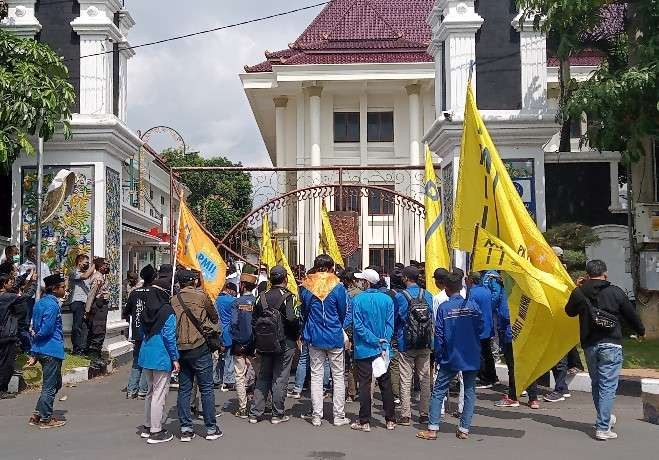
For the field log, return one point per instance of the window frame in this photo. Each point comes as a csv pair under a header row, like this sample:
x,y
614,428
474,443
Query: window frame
x,y
381,211
346,114
379,138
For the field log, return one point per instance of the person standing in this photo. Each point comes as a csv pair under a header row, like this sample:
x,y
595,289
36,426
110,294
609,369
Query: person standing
x,y
28,269
195,317
96,309
324,301
481,296
276,326
48,350
158,357
78,293
458,328
242,339
137,301
601,308
373,328
224,374
13,330
413,319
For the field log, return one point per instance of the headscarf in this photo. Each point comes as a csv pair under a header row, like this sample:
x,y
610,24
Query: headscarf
x,y
156,311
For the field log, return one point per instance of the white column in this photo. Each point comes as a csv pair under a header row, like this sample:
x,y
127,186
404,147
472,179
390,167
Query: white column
x,y
613,178
363,153
126,22
533,53
314,93
413,93
20,19
280,155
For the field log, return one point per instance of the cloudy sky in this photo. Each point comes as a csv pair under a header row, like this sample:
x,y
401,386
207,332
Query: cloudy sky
x,y
193,84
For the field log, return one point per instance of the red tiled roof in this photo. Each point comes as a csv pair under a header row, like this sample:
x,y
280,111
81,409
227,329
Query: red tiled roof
x,y
379,31
585,58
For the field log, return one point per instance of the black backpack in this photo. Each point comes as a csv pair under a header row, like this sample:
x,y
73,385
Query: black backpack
x,y
418,330
269,327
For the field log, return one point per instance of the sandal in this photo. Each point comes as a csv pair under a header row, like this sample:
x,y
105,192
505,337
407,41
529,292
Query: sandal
x,y
461,435
428,435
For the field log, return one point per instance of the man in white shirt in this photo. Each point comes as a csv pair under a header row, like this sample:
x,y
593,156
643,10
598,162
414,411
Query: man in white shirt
x,y
30,265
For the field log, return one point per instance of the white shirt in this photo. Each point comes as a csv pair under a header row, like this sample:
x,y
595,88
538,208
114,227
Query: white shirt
x,y
437,300
28,264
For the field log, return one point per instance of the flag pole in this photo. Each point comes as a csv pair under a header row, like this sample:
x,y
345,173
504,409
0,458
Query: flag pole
x,y
477,228
175,245
38,270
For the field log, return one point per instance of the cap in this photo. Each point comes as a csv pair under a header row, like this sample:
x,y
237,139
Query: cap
x,y
53,280
277,272
248,278
369,275
557,250
411,273
186,276
441,274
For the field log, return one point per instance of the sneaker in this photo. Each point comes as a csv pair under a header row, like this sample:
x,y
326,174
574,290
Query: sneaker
x,y
131,395
141,396
484,386
524,394
294,394
316,421
253,420
574,370
397,401
278,420
160,437
461,434
52,423
366,427
391,425
535,404
404,421
145,432
554,397
213,435
349,399
226,387
506,402
567,395
612,422
605,435
341,421
34,420
307,416
423,419
187,436
241,413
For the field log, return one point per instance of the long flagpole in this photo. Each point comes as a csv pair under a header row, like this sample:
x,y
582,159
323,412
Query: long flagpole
x,y
39,205
175,245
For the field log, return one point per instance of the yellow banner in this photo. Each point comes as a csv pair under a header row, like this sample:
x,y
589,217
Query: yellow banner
x,y
283,261
267,255
437,255
486,195
328,244
196,250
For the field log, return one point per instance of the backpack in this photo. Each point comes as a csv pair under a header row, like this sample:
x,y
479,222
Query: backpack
x,y
269,327
241,326
418,330
9,324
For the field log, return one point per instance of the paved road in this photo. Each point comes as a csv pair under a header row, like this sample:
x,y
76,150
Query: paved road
x,y
102,425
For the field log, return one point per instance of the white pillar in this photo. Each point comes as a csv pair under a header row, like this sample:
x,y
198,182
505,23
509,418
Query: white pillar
x,y
413,93
615,191
363,153
280,156
126,22
301,227
314,93
533,54
20,19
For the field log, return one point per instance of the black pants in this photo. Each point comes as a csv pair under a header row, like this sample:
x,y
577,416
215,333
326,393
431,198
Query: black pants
x,y
574,360
365,376
96,328
78,338
510,362
488,371
560,376
272,377
7,361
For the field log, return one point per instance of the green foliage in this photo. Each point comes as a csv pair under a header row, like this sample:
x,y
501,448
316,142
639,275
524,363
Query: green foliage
x,y
572,236
35,94
218,199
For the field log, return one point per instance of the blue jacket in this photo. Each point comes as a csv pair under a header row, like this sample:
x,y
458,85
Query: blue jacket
x,y
324,304
242,310
47,324
482,297
223,307
458,327
372,314
158,352
401,313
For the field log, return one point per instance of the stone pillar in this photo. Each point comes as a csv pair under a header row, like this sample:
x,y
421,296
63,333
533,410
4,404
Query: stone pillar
x,y
126,22
21,20
533,50
314,93
280,127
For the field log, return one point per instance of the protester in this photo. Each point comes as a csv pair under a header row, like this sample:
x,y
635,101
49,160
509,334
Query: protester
x,y
276,326
11,254
323,311
96,309
458,328
481,296
195,317
130,283
413,329
353,288
28,269
79,280
242,338
601,308
137,301
48,350
372,314
13,331
158,357
439,277
224,374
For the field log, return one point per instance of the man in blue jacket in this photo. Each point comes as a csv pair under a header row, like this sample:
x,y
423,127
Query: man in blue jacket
x,y
373,327
323,311
242,338
48,350
458,327
413,321
224,374
481,296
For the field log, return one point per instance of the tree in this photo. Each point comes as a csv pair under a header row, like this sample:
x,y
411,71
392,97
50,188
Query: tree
x,y
35,95
219,199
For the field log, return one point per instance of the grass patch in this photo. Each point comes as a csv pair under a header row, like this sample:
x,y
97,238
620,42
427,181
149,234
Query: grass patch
x,y
32,375
636,355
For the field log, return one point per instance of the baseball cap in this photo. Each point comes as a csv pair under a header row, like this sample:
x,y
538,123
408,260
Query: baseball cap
x,y
411,273
369,275
277,272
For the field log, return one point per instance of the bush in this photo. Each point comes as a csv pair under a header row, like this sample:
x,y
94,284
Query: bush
x,y
572,236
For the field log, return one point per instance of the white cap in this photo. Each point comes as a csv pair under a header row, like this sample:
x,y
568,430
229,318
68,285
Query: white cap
x,y
557,250
369,275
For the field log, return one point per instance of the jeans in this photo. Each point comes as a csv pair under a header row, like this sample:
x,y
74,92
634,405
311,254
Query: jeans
x,y
78,339
337,366
510,362
488,372
200,369
303,366
604,363
137,382
274,370
439,392
52,382
365,377
560,376
224,371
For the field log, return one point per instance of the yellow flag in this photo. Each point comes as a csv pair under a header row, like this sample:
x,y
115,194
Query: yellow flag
x,y
267,251
283,261
196,250
487,196
437,255
328,242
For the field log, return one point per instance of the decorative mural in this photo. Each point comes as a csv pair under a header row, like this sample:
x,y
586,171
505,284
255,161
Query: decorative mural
x,y
71,231
447,199
113,235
